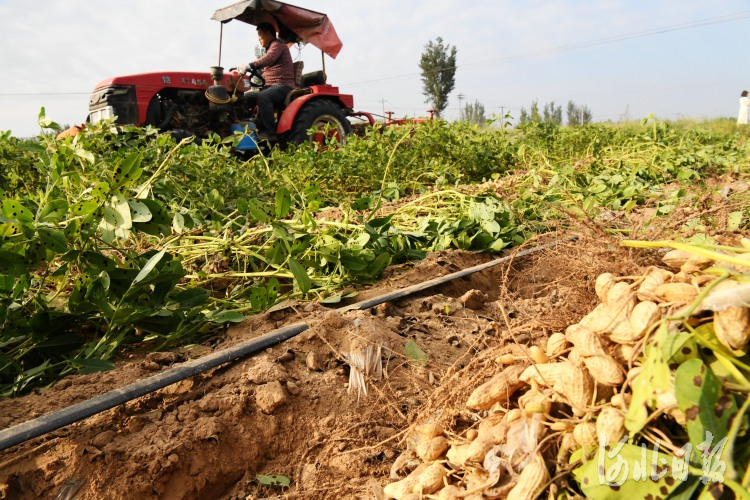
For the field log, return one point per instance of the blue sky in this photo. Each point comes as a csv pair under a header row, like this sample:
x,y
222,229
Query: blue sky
x,y
622,59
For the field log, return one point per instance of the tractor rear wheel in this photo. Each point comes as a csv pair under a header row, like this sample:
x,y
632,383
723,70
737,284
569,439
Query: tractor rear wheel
x,y
326,118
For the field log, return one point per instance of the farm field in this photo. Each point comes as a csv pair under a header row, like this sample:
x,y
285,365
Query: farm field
x,y
619,308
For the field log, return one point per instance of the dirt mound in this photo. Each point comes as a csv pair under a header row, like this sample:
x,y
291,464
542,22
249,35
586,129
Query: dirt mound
x,y
299,410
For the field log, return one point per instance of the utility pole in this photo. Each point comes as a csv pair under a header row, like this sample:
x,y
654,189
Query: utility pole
x,y
382,102
460,109
502,117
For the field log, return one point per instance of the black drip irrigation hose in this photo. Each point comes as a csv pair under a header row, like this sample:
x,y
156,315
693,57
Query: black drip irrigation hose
x,y
52,421
55,420
409,290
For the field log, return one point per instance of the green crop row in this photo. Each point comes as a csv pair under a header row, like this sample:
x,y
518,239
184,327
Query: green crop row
x,y
123,236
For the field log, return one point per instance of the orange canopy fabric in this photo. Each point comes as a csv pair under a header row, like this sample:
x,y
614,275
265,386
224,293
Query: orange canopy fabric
x,y
306,25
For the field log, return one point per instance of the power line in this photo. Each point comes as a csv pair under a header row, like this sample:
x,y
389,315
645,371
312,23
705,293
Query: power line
x,y
619,38
580,45
23,94
523,55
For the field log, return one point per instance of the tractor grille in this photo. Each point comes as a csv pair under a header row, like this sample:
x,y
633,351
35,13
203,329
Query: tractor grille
x,y
117,100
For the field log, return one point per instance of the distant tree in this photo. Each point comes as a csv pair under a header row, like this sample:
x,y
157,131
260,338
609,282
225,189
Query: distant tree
x,y
523,116
552,114
572,114
535,112
530,116
578,115
473,113
438,65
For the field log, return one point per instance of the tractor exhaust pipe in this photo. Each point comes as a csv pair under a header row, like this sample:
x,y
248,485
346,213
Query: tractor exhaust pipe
x,y
217,93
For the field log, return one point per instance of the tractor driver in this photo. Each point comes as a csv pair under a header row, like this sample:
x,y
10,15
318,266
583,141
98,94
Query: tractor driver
x,y
278,72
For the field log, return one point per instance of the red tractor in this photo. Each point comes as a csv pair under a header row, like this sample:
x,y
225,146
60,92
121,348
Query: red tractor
x,y
191,103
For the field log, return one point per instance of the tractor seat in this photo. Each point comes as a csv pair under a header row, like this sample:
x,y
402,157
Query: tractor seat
x,y
305,82
313,78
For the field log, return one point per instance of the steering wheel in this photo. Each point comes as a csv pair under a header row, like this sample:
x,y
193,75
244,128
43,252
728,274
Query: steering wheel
x,y
256,77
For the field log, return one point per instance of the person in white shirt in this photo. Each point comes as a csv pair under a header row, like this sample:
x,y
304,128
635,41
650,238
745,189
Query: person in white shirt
x,y
744,103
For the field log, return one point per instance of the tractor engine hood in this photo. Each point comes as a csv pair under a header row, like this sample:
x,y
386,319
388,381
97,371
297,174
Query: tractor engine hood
x,y
294,24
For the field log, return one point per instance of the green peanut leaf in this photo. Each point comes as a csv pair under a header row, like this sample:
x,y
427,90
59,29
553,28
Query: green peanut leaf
x,y
222,317
93,365
13,210
191,297
653,380
283,203
53,210
300,276
150,265
84,208
415,353
12,264
53,239
707,407
139,211
11,229
274,480
679,347
628,471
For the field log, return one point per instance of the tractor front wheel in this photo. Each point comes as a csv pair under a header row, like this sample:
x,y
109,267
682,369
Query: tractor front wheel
x,y
325,118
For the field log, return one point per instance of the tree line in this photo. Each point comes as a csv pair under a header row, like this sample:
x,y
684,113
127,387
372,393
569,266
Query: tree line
x,y
551,113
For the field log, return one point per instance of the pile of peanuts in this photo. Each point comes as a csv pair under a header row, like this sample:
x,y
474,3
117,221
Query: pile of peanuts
x,y
584,372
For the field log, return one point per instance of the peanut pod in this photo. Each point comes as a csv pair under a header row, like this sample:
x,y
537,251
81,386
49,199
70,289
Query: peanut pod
x,y
604,370
732,327
653,278
498,389
610,425
586,341
531,480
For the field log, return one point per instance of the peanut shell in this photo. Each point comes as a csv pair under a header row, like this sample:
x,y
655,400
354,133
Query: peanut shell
x,y
546,374
604,370
427,431
621,331
653,278
531,480
457,453
681,293
556,344
621,401
533,401
431,479
620,297
567,379
686,262
602,285
611,424
403,487
484,442
578,388
450,492
624,353
585,434
432,449
732,327
586,342
598,320
498,389
643,317
575,356
513,415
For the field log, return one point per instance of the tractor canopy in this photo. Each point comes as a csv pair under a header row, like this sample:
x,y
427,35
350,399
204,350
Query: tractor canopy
x,y
294,24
